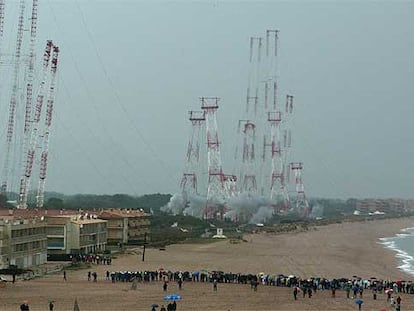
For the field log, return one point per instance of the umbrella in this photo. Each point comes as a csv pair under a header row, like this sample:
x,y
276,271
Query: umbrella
x,y
373,278
389,290
172,297
154,305
359,302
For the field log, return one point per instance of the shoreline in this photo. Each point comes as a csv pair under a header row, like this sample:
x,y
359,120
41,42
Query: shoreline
x,y
405,259
332,251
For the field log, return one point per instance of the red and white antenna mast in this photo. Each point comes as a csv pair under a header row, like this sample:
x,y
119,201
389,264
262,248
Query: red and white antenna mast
x,y
278,190
230,185
287,134
252,96
301,203
192,166
2,7
270,107
48,123
248,182
25,181
28,108
216,178
14,97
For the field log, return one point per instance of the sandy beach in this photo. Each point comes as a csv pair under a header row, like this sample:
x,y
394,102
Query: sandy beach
x,y
333,251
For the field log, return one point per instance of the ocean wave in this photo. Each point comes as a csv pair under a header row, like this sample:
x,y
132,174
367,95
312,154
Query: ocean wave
x,y
401,235
406,260
410,229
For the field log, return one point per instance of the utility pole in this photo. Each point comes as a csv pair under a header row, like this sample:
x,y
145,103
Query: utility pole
x,y
145,243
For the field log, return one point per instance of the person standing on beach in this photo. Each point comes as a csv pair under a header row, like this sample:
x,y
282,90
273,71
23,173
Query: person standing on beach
x,y
215,285
398,306
295,293
64,275
24,306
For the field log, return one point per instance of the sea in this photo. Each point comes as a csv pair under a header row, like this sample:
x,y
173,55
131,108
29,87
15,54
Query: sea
x,y
403,244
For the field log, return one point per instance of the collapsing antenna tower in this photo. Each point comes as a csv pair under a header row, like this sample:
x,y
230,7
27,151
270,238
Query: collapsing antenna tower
x,y
192,165
25,180
248,182
27,163
252,96
48,123
248,127
13,98
301,203
216,178
1,22
278,190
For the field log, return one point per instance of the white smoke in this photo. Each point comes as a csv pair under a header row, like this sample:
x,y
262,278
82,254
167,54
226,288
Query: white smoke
x,y
317,211
195,206
244,206
262,215
175,206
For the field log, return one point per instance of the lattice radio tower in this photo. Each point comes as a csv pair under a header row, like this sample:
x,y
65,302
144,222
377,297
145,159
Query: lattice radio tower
x,y
216,177
14,97
2,7
230,185
278,191
22,201
189,181
301,203
248,182
270,97
252,94
30,157
48,123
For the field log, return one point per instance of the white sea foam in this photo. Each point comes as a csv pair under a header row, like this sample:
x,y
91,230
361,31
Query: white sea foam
x,y
403,234
406,260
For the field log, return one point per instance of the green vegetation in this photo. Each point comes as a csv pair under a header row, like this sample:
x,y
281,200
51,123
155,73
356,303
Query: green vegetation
x,y
150,202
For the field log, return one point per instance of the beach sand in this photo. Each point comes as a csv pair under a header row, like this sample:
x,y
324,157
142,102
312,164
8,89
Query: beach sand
x,y
333,251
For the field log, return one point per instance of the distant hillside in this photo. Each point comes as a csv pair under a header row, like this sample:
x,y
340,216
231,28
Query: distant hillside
x,y
147,202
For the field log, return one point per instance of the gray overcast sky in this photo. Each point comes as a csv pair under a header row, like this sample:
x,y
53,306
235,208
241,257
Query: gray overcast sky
x,y
130,71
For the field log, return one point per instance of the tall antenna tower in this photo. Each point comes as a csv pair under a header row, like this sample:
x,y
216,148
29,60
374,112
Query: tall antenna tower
x,y
287,133
301,203
252,96
14,96
248,182
190,177
278,190
25,180
216,178
270,97
249,129
22,202
48,123
2,7
230,185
